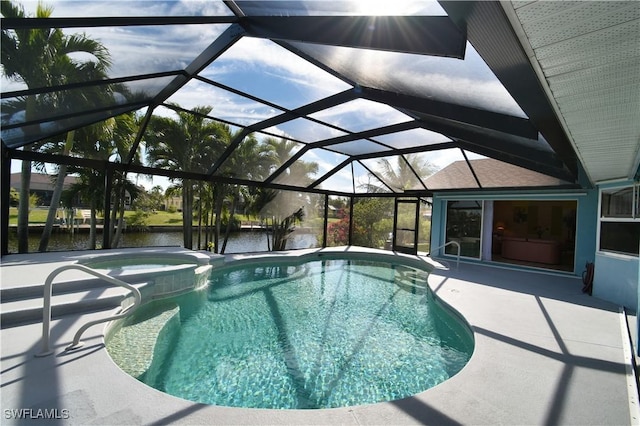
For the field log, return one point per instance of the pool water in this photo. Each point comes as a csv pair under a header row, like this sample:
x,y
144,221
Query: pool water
x,y
320,334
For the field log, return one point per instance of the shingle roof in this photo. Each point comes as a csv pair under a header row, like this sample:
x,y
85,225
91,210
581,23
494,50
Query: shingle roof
x,y
40,181
491,173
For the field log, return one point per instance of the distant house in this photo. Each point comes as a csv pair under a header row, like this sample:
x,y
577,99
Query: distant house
x,y
42,186
173,203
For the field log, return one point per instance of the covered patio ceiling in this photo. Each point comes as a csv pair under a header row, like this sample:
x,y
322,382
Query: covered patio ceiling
x,y
353,83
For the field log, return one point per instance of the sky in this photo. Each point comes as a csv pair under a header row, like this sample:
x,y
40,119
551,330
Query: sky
x,y
266,70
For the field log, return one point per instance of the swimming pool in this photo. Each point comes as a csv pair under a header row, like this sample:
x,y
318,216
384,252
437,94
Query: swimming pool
x,y
314,334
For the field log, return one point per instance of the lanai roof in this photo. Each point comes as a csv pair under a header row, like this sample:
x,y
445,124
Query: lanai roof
x,y
552,87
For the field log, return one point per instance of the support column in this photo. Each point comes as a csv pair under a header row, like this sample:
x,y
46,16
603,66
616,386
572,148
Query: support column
x,y
108,183
5,197
350,220
326,220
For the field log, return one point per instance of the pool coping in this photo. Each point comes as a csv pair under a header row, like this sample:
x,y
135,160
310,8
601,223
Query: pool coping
x,y
545,353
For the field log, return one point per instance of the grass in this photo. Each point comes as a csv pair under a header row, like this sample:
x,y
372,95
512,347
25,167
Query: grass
x,y
38,216
160,218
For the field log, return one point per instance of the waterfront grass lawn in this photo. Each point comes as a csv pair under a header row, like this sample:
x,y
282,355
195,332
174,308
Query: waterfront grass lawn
x,y
38,216
160,218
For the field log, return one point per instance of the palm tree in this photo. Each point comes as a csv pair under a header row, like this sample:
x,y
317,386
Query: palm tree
x,y
90,186
94,142
251,161
39,58
401,176
283,207
123,140
188,143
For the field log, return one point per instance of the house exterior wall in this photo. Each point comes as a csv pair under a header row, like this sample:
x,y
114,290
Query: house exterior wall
x,y
616,279
616,276
586,217
173,203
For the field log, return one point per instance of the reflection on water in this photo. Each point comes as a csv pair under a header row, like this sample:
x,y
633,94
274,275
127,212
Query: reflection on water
x,y
239,242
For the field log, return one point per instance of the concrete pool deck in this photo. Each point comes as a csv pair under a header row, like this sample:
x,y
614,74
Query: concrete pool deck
x,y
545,353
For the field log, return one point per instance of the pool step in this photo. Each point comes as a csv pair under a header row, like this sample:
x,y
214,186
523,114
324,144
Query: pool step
x,y
36,290
24,305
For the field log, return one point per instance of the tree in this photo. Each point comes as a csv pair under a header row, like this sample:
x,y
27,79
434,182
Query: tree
x,y
42,57
284,208
372,219
89,186
250,160
100,142
401,176
123,138
149,200
338,232
188,143
14,197
32,45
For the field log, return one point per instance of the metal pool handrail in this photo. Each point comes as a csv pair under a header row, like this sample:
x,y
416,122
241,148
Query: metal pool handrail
x,y
46,310
455,243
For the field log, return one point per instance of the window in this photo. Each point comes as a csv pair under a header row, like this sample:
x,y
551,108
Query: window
x,y
618,202
620,220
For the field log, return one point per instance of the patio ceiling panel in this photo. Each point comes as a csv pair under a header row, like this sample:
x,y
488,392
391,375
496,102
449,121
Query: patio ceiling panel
x,y
367,134
514,155
72,108
305,110
467,82
273,73
308,167
170,43
334,8
134,12
52,127
521,151
346,23
360,114
130,87
412,138
342,89
306,131
428,35
340,181
397,172
353,178
367,181
227,106
493,37
359,147
482,118
589,55
282,152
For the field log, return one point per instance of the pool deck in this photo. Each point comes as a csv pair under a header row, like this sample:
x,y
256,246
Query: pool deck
x,y
545,353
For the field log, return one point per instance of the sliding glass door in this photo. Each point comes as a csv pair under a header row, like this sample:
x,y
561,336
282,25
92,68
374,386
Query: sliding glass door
x,y
464,225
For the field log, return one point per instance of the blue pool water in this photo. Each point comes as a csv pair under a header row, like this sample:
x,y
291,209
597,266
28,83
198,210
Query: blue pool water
x,y
320,334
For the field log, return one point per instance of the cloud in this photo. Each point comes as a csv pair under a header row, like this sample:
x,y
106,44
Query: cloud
x,y
265,58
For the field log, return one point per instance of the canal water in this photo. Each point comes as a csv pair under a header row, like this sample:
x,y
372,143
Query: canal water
x,y
239,242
